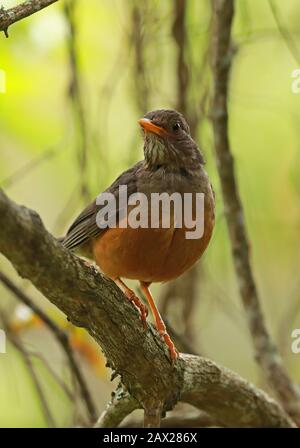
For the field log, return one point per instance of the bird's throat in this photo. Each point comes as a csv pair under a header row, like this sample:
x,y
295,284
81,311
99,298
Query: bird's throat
x,y
156,152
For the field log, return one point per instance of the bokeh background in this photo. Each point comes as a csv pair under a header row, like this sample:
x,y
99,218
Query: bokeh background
x,y
78,75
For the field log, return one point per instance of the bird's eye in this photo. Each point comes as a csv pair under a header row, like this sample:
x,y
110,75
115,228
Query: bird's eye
x,y
176,126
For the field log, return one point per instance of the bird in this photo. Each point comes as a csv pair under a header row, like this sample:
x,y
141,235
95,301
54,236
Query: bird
x,y
172,163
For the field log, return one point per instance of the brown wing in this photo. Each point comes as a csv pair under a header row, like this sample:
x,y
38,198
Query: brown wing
x,y
85,226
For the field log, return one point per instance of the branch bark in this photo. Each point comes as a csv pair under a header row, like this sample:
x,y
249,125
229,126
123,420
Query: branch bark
x,y
140,358
19,12
265,350
75,94
92,301
205,384
13,338
121,405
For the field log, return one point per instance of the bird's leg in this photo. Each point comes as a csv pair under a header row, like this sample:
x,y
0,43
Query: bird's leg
x,y
159,322
132,297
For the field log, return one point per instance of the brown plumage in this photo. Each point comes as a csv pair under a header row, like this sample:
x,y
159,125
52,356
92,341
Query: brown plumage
x,y
172,163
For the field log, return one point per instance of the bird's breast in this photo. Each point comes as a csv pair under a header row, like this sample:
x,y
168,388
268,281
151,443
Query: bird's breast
x,y
155,254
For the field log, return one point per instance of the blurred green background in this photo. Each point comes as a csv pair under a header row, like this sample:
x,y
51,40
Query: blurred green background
x,y
66,134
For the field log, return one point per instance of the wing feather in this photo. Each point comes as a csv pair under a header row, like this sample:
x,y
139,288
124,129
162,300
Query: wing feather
x,y
85,226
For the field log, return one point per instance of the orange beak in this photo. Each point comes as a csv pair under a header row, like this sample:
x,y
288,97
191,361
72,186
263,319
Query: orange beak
x,y
148,126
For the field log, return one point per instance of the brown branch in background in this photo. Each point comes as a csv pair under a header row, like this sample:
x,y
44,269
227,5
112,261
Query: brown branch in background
x,y
138,41
76,97
192,85
19,12
69,393
27,360
94,302
61,336
265,351
179,33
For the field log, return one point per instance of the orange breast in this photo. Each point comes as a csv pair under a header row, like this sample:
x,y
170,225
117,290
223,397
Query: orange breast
x,y
150,255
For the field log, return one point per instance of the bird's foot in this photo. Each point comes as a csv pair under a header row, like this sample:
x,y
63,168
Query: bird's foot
x,y
173,350
160,325
132,297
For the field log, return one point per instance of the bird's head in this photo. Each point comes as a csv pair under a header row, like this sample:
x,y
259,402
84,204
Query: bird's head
x,y
167,140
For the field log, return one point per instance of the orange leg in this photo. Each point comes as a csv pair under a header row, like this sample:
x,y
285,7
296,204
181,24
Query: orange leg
x,y
159,322
132,297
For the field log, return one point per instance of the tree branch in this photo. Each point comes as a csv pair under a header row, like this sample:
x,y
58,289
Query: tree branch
x,y
120,406
206,383
265,351
19,12
94,302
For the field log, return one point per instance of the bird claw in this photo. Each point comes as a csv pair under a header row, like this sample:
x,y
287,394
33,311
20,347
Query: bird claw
x,y
174,353
132,297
